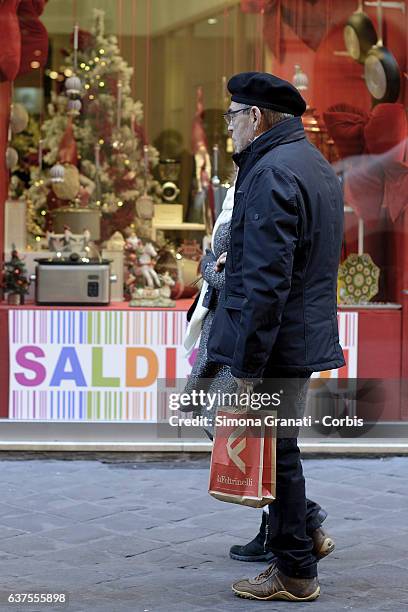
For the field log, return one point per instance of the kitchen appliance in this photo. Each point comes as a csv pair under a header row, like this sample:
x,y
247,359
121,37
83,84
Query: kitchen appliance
x,y
72,280
381,71
359,34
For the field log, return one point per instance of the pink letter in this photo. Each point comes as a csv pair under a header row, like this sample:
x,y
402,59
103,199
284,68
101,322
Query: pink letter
x,y
29,364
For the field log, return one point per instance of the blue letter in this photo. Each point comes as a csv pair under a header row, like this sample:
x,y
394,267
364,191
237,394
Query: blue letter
x,y
75,373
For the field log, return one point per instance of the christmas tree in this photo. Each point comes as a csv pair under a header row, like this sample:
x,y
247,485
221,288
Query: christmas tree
x,y
94,128
15,275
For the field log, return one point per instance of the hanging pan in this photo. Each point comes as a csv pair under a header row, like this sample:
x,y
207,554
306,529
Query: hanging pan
x,y
359,34
381,71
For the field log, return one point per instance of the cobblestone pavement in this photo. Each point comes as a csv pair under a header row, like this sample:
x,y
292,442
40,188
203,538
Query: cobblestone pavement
x,y
142,536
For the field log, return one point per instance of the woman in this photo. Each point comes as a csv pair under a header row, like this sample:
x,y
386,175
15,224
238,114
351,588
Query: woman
x,y
205,375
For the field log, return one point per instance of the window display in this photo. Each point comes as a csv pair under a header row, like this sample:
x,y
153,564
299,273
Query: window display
x,y
117,152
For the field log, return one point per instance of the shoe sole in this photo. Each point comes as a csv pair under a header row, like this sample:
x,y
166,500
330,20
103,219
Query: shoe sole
x,y
268,557
280,595
326,548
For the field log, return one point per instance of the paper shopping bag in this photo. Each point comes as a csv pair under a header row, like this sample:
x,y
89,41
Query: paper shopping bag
x,y
243,459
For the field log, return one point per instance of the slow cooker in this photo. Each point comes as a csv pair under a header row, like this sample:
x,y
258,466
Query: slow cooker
x,y
72,280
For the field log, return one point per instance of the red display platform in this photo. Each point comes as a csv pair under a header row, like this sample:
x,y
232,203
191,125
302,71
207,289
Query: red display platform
x,y
180,305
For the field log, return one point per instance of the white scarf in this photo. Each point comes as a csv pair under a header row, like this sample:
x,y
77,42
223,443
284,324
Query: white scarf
x,y
196,322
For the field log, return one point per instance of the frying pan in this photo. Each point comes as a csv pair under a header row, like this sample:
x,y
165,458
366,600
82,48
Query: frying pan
x,y
381,71
359,34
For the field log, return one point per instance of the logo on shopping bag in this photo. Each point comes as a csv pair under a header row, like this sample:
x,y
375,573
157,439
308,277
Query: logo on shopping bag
x,y
235,451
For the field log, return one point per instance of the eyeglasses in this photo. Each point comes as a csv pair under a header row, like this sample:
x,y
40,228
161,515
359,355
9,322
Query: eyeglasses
x,y
229,115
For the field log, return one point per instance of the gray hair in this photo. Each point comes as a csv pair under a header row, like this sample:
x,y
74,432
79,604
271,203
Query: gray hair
x,y
271,117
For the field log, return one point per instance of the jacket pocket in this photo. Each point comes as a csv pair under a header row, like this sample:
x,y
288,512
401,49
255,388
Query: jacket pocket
x,y
234,302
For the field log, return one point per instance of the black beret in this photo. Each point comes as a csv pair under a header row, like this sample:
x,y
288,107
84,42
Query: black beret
x,y
266,91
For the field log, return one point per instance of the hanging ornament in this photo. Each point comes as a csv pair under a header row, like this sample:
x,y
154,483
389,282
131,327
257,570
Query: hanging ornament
x,y
68,188
40,153
215,181
97,150
73,87
74,107
144,204
97,157
119,105
18,118
11,158
76,39
300,79
57,173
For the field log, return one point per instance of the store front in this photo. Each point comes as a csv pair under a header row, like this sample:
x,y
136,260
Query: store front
x,y
117,160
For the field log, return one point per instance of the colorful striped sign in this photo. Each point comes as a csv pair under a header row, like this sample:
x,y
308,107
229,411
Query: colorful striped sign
x,y
77,365
93,365
162,328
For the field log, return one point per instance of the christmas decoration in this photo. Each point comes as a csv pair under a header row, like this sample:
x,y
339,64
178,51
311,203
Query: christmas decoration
x,y
74,107
145,204
15,281
300,79
73,87
57,173
201,207
18,118
95,125
11,158
144,286
357,279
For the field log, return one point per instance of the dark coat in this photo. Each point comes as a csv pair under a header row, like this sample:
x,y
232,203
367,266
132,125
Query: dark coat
x,y
279,305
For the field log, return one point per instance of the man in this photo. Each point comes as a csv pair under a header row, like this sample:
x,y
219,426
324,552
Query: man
x,y
277,317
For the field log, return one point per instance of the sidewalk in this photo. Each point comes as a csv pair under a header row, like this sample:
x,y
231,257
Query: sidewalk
x,y
135,537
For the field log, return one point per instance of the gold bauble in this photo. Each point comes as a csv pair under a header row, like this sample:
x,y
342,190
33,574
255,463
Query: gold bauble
x,y
68,189
11,158
18,118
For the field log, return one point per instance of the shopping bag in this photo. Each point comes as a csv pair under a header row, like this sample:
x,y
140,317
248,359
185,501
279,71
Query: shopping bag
x,y
243,459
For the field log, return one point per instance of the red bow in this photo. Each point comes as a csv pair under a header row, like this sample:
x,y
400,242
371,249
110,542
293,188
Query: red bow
x,y
373,148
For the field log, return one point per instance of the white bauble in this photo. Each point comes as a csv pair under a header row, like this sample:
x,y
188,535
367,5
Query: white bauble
x,y
57,173
74,107
73,87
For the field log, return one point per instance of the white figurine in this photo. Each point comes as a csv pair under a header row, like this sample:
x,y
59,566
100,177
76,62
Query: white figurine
x,y
146,265
86,238
67,239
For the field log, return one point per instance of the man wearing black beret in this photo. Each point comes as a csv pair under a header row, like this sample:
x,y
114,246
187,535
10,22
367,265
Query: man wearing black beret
x,y
277,317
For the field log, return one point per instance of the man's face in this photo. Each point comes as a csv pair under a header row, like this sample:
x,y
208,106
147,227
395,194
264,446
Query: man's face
x,y
240,127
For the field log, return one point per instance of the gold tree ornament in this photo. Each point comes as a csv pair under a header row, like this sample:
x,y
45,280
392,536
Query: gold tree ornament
x,y
68,188
11,158
18,118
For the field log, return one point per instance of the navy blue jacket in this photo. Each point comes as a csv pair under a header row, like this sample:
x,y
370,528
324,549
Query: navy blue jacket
x,y
279,307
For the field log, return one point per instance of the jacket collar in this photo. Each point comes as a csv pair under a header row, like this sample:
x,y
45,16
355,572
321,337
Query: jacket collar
x,y
285,131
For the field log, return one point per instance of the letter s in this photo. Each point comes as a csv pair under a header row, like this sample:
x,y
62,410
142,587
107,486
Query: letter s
x,y
29,364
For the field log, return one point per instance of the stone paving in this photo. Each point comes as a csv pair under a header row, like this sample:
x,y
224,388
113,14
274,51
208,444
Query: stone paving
x,y
139,536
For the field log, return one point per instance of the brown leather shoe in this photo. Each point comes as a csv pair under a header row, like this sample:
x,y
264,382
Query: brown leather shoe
x,y
323,543
272,584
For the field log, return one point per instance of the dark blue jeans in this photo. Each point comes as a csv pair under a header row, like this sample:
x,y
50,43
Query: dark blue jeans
x,y
289,530
292,518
